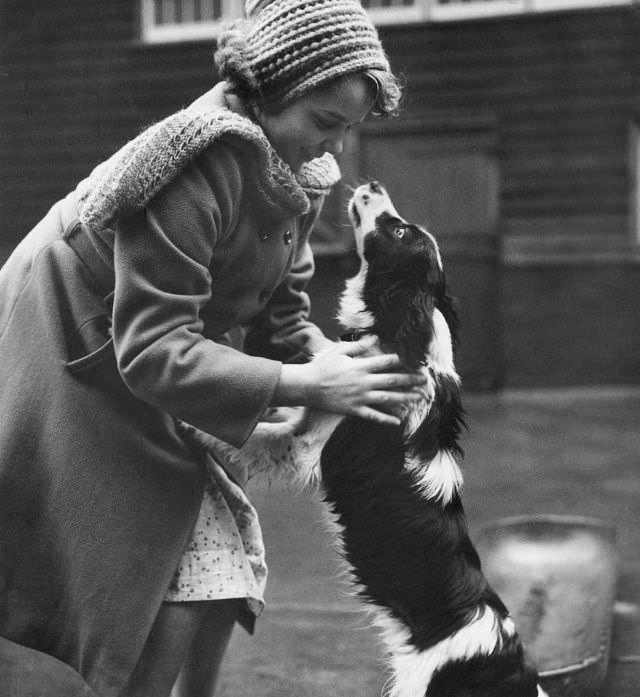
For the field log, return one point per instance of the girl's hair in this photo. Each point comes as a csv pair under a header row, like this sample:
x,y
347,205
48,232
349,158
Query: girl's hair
x,y
388,92
289,47
232,65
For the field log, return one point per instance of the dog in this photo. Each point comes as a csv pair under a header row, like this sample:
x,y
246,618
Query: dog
x,y
394,491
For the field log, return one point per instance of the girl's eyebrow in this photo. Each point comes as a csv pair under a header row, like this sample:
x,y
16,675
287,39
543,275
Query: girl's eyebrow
x,y
338,116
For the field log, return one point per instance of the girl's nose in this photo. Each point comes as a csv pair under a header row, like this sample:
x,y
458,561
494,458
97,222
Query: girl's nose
x,y
334,146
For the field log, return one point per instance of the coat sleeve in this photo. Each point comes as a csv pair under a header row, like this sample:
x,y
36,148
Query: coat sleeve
x,y
283,330
162,256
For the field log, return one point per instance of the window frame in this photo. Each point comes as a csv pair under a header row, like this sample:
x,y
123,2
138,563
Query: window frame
x,y
200,30
420,11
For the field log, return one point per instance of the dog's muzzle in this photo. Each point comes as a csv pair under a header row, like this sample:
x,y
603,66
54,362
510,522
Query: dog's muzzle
x,y
367,203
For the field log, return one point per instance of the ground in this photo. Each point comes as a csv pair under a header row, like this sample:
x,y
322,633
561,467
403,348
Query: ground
x,y
567,452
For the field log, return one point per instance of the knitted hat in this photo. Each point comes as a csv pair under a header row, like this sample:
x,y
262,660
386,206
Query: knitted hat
x,y
293,46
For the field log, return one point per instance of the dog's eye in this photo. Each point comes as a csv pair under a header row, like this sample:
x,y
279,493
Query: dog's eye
x,y
399,232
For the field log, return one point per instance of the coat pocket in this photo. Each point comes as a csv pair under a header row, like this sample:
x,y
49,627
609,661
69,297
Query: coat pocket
x,y
90,345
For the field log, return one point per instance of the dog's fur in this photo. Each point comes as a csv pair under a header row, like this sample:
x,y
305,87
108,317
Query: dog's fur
x,y
395,490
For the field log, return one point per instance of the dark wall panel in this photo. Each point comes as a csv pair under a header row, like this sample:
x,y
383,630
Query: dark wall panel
x,y
76,84
564,86
571,325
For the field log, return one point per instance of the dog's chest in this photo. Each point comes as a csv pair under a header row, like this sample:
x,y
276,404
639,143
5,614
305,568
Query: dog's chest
x,y
360,458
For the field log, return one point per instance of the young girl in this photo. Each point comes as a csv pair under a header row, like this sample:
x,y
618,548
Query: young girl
x,y
121,561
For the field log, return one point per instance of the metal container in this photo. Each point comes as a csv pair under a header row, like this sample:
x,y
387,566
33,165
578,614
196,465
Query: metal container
x,y
557,575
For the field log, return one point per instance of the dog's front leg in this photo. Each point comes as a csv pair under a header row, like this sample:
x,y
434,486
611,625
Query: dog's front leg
x,y
286,445
290,450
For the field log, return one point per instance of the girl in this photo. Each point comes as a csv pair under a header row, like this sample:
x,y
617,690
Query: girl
x,y
117,553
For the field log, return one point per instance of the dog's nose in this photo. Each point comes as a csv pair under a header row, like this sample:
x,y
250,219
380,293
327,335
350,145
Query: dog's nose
x,y
375,187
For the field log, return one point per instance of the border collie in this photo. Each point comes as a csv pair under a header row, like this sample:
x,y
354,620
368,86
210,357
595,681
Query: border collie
x,y
395,490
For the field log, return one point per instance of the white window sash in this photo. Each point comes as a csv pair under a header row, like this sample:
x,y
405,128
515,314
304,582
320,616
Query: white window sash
x,y
399,14
471,10
452,11
550,5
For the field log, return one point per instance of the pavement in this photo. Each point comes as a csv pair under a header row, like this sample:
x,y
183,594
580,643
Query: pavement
x,y
570,452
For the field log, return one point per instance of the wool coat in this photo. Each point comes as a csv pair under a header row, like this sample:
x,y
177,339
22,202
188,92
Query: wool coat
x,y
109,341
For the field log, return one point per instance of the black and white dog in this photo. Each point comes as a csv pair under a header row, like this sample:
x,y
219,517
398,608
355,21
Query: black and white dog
x,y
395,490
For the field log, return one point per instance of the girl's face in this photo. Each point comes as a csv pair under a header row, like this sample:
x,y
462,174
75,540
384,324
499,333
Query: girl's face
x,y
319,121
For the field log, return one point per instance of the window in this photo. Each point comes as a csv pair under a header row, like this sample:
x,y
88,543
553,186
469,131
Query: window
x,y
467,9
398,11
165,21
395,11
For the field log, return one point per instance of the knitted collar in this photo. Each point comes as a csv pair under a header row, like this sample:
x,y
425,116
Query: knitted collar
x,y
131,177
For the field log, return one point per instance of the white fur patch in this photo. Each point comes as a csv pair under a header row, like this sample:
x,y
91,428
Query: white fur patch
x,y
413,670
286,447
306,446
417,411
369,204
435,245
352,313
440,480
440,349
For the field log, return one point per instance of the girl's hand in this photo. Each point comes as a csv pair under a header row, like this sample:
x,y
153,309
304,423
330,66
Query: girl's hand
x,y
345,378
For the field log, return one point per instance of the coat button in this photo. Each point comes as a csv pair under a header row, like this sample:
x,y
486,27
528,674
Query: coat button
x,y
287,237
264,296
264,235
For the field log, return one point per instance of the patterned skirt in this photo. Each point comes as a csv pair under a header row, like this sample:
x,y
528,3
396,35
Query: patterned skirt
x,y
225,557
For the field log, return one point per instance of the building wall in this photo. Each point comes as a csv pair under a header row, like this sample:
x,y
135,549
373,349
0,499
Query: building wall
x,y
548,293
563,86
77,84
559,94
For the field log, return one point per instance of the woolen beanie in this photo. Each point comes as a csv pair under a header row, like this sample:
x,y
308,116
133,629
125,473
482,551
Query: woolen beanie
x,y
290,47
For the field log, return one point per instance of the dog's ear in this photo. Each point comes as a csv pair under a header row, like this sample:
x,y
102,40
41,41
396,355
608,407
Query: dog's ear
x,y
415,332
